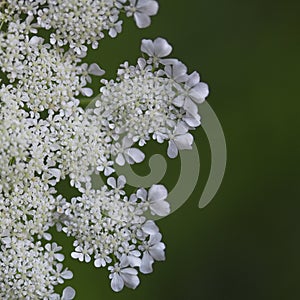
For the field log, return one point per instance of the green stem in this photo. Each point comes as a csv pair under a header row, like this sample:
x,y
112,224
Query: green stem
x,y
5,11
2,23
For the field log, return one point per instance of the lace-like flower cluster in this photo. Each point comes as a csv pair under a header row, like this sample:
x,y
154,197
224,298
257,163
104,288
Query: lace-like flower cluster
x,y
111,228
44,77
30,270
46,137
156,99
81,23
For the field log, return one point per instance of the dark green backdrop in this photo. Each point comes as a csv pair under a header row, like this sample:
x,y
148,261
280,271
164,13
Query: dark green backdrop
x,y
245,244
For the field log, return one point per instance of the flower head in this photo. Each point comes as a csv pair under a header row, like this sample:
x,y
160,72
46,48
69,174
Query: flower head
x,y
46,137
142,10
157,49
156,199
122,275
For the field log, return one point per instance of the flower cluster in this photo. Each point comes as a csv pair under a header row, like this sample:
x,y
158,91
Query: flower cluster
x,y
30,270
156,98
81,23
46,137
110,227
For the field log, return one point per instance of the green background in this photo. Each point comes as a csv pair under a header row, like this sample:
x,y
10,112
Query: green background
x,y
245,244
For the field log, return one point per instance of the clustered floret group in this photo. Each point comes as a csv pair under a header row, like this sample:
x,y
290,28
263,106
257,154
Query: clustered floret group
x,y
46,137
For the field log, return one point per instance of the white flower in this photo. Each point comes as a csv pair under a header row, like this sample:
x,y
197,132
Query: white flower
x,y
142,10
122,275
126,153
177,71
150,227
180,139
158,48
156,199
52,249
118,184
116,26
105,165
87,70
152,250
194,92
60,274
131,253
83,253
192,120
101,260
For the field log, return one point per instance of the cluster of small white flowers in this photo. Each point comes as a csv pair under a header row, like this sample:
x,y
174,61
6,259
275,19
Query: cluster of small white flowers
x,y
81,23
110,227
156,99
41,72
31,270
46,136
28,201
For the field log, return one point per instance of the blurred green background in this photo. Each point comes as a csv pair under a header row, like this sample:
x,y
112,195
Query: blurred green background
x,y
246,243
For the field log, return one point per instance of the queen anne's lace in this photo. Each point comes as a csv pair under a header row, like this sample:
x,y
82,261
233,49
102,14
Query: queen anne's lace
x,y
46,137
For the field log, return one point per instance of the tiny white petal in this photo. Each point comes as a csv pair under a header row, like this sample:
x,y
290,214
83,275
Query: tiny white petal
x,y
162,47
68,293
157,251
172,149
135,154
142,193
117,283
147,47
146,264
148,7
190,106
121,181
108,171
184,141
94,69
157,192
67,274
193,79
59,256
160,208
199,92
129,275
98,262
88,92
112,182
120,159
150,227
179,100
142,20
